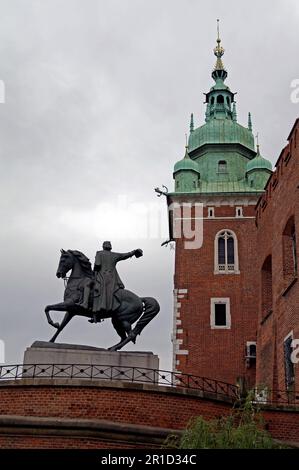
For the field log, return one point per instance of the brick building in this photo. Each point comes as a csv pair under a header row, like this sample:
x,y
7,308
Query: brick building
x,y
227,305
277,231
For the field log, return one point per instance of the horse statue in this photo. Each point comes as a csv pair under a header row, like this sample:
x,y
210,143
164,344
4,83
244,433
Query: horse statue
x,y
131,308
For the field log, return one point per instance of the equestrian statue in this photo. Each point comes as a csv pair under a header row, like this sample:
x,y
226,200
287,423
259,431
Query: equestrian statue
x,y
99,293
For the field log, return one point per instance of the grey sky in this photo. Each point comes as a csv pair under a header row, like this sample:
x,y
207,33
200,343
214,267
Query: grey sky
x,y
98,99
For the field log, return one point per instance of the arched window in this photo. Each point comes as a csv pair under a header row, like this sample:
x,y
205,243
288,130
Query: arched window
x,y
227,100
267,287
222,166
220,99
212,100
226,253
290,263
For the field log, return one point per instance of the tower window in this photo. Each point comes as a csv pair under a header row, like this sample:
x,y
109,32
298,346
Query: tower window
x,y
239,211
212,100
267,287
220,99
211,212
251,349
290,262
220,313
227,100
226,253
222,166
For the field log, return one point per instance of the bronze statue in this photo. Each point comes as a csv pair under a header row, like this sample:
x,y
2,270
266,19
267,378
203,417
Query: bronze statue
x,y
107,281
101,294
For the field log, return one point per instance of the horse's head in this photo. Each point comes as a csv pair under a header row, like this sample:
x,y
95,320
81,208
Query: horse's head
x,y
71,259
66,263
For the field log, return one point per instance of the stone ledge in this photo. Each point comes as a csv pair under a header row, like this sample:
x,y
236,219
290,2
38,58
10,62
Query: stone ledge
x,y
82,428
277,407
116,384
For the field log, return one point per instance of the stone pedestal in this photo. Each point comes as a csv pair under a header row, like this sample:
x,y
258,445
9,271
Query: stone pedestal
x,y
51,360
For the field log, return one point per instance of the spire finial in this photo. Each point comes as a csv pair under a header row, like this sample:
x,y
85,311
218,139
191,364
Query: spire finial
x,y
219,70
249,122
218,35
186,147
218,51
257,143
191,123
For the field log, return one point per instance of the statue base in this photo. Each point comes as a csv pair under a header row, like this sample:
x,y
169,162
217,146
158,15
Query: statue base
x,y
51,360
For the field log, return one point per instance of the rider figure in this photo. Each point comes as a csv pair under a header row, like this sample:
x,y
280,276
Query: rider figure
x,y
106,280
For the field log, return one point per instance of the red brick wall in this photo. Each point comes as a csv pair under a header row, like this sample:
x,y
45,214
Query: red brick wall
x,y
276,207
57,442
149,406
218,354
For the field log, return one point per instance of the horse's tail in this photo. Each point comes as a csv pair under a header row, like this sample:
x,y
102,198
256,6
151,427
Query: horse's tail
x,y
151,309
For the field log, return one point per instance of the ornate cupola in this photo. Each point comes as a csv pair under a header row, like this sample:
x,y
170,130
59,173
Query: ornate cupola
x,y
220,100
258,171
186,174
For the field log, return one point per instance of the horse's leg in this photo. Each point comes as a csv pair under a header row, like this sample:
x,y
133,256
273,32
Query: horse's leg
x,y
67,317
122,320
151,309
61,307
118,326
133,309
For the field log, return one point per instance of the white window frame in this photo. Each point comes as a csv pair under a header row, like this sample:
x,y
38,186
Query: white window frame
x,y
248,344
239,208
220,300
212,215
226,268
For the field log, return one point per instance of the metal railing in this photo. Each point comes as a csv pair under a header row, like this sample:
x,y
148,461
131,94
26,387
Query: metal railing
x,y
214,388
277,397
128,374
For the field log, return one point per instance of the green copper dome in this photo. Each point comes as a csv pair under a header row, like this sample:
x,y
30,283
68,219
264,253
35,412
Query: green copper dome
x,y
221,131
221,156
186,164
258,163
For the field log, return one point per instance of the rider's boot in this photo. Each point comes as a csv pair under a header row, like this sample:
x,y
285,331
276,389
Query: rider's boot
x,y
86,295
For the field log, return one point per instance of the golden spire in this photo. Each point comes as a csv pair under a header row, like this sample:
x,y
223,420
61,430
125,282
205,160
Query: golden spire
x,y
218,51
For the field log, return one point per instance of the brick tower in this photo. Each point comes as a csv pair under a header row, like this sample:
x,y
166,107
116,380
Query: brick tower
x,y
215,286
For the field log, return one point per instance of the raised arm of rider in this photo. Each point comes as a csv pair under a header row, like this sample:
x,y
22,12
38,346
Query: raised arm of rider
x,y
123,256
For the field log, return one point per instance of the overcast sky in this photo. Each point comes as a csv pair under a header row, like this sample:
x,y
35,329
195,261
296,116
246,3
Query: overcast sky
x,y
98,99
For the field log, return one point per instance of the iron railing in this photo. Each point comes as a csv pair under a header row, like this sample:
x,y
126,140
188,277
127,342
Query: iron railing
x,y
214,388
123,373
277,397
